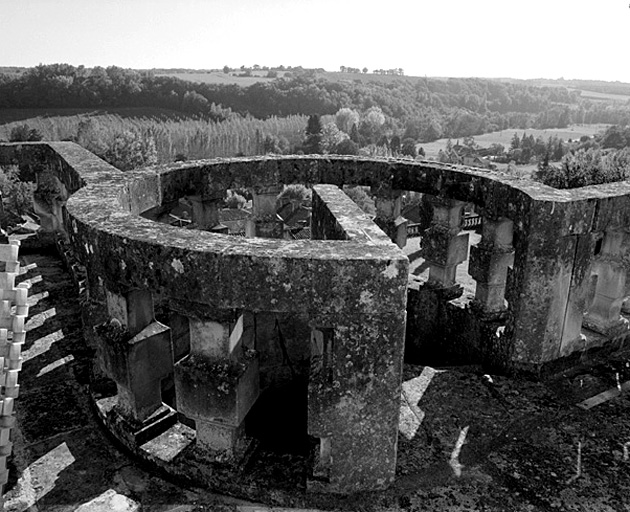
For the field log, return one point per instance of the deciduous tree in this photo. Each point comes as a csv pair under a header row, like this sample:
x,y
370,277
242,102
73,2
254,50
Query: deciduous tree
x,y
346,118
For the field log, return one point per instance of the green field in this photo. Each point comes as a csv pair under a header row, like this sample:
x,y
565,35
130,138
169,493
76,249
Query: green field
x,y
504,137
219,77
602,96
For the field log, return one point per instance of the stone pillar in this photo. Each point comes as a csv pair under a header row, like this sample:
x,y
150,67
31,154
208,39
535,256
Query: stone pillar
x,y
264,222
388,218
443,245
543,319
604,313
205,213
489,262
135,351
217,384
354,402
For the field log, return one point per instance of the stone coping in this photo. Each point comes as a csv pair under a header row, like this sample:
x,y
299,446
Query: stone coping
x,y
133,252
495,192
128,251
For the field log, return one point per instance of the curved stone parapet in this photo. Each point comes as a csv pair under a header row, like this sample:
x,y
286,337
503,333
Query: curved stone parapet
x,y
346,290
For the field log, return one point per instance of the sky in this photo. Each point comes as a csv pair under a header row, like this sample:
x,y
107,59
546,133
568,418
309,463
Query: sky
x,y
459,38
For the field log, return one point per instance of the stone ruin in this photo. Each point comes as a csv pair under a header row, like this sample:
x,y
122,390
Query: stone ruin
x,y
186,322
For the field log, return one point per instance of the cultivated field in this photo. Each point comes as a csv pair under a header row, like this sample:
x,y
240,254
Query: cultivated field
x,y
592,95
505,137
219,77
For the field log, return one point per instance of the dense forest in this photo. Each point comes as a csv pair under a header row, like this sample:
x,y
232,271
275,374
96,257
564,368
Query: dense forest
x,y
423,109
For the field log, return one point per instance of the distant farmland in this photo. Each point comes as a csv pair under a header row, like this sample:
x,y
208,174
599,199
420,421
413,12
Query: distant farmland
x,y
505,137
604,96
219,77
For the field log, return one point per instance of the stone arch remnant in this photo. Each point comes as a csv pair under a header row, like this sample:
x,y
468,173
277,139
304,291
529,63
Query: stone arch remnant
x,y
533,269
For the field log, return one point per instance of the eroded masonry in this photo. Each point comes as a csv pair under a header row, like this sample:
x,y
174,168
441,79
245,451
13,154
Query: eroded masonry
x,y
186,322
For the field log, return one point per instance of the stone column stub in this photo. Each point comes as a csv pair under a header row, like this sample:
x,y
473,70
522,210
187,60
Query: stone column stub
x,y
264,221
611,268
388,214
488,265
444,246
133,309
218,382
138,354
205,210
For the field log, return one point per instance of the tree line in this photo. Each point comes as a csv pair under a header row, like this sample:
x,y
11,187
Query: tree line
x,y
133,142
604,158
423,109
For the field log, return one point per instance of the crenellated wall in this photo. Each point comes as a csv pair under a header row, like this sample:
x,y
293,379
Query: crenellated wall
x,y
549,261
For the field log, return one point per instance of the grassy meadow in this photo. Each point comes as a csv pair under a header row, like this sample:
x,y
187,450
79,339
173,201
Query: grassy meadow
x,y
504,137
603,96
219,77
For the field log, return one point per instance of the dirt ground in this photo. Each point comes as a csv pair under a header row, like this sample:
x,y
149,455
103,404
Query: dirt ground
x,y
467,441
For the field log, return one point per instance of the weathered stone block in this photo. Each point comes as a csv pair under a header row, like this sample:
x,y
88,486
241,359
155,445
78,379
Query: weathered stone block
x,y
395,229
220,340
138,365
447,212
205,212
603,315
134,310
208,338
491,297
217,436
498,232
489,266
216,390
546,274
361,369
441,247
143,194
388,203
443,276
145,357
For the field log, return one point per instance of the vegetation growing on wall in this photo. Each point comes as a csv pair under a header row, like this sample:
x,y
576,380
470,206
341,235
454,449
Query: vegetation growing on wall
x,y
17,196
